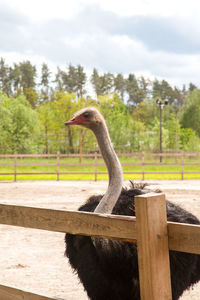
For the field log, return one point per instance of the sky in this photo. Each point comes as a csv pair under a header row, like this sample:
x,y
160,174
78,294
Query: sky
x,y
150,38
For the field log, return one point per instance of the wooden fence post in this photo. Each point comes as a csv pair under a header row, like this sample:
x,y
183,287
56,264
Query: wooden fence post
x,y
95,166
143,157
182,165
58,166
15,167
80,146
152,243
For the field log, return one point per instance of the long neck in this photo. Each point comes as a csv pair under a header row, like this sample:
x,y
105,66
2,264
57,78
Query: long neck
x,y
114,170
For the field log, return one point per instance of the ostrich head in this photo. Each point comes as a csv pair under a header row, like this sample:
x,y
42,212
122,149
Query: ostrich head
x,y
88,117
91,118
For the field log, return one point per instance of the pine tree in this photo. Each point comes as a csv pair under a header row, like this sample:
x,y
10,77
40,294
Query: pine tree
x,y
44,83
15,76
28,75
120,85
96,82
134,92
5,82
80,81
59,79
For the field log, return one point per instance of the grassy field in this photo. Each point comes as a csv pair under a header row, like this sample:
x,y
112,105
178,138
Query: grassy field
x,y
83,167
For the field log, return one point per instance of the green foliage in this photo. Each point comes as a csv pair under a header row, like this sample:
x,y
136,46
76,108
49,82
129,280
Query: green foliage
x,y
145,112
154,136
189,141
32,115
45,83
137,136
18,125
174,128
191,113
117,119
5,80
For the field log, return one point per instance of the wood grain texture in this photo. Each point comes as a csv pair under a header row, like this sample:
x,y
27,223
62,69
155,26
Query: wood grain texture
x,y
153,251
9,293
184,237
83,223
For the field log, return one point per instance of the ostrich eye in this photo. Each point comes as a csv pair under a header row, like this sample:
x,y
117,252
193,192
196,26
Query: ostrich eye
x,y
86,115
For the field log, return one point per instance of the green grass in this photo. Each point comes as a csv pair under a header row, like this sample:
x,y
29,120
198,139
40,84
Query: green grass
x,y
82,168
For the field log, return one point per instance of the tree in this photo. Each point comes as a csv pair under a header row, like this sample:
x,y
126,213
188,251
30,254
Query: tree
x,y
174,129
106,83
64,107
138,137
189,141
81,81
5,125
5,82
120,85
28,75
18,125
102,84
191,113
117,119
192,87
46,117
59,79
163,90
95,80
135,93
74,80
154,137
70,79
44,83
145,112
31,96
15,76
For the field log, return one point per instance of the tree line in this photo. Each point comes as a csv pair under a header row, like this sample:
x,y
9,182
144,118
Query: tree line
x,y
33,110
37,86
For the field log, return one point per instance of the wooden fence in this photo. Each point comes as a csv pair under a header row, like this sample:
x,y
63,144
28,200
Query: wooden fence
x,y
153,234
143,160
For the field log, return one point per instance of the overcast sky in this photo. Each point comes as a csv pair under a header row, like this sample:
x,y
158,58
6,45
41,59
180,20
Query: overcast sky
x,y
152,38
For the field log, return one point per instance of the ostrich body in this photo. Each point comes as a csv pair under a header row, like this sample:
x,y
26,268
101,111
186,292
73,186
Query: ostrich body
x,y
108,269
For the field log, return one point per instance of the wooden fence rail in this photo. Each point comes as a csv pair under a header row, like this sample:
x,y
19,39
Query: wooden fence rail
x,y
10,293
153,234
178,159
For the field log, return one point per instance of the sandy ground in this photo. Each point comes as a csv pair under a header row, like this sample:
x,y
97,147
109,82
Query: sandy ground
x,y
34,260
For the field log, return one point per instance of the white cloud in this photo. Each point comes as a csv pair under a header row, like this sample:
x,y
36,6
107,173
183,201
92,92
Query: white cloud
x,y
43,10
149,7
159,39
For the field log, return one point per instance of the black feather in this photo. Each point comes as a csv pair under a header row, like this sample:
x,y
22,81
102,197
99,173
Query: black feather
x,y
109,270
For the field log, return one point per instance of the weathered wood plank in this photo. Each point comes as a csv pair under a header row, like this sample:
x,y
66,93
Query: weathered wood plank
x,y
83,223
184,237
153,250
9,293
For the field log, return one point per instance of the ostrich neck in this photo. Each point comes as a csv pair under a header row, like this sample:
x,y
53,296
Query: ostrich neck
x,y
114,171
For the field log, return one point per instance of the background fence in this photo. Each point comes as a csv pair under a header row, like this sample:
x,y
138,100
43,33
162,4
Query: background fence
x,y
140,164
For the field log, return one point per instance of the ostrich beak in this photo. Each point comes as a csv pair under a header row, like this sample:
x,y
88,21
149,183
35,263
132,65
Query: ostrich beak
x,y
75,121
70,122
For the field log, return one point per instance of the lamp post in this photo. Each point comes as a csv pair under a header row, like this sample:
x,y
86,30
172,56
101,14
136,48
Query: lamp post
x,y
161,103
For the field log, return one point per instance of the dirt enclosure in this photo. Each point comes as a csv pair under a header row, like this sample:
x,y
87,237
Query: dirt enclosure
x,y
34,260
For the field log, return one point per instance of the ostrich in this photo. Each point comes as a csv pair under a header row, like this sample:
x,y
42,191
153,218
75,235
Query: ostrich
x,y
108,269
